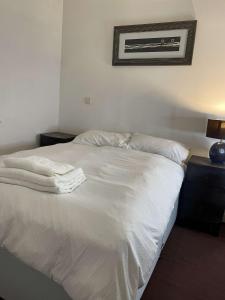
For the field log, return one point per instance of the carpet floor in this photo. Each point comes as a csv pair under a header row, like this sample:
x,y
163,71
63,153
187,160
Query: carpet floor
x,y
191,267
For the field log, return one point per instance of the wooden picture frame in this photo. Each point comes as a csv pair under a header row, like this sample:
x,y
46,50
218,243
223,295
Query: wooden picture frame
x,y
170,43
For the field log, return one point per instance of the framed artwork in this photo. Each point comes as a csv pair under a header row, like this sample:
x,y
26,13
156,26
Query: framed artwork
x,y
169,43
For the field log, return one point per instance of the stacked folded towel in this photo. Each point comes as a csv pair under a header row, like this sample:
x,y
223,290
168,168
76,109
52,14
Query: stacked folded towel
x,y
41,174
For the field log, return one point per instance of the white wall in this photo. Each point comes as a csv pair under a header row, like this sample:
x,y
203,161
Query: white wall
x,y
171,101
30,57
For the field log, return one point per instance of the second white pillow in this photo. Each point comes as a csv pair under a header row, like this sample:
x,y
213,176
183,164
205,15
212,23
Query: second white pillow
x,y
170,149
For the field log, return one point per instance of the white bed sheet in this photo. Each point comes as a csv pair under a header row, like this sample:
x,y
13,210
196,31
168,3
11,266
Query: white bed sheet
x,y
100,241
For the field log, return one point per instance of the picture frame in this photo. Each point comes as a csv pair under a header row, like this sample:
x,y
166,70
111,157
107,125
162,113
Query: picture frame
x,y
170,43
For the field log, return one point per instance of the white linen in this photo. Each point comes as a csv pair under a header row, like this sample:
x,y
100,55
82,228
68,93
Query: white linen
x,y
100,241
173,150
39,165
103,138
60,189
53,184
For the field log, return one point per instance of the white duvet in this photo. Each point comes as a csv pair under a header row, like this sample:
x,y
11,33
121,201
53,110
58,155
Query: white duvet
x,y
98,242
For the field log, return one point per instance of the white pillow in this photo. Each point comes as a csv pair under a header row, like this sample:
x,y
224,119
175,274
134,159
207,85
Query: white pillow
x,y
168,148
103,138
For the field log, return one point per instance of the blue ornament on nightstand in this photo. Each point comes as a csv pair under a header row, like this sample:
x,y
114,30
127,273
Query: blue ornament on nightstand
x,y
216,130
217,152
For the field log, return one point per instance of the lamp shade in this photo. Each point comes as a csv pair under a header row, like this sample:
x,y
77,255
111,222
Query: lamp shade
x,y
216,129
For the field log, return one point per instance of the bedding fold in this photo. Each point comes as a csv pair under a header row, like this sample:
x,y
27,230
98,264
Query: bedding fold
x,y
58,189
58,184
38,165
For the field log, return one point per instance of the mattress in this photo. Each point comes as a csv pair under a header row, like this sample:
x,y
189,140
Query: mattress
x,y
103,240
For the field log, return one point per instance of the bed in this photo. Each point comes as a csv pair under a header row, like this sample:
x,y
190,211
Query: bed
x,y
100,242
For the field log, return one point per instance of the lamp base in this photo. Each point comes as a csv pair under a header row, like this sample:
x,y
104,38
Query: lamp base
x,y
217,153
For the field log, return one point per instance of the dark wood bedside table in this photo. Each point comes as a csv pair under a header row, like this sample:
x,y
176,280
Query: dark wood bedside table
x,y
202,196
52,138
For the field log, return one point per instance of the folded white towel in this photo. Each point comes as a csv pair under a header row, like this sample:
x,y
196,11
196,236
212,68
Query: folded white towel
x,y
62,189
39,165
53,184
52,181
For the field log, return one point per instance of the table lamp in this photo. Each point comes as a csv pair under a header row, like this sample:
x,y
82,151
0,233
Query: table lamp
x,y
216,130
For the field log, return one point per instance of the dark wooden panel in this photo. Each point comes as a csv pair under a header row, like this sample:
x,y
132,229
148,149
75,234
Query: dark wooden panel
x,y
202,196
52,138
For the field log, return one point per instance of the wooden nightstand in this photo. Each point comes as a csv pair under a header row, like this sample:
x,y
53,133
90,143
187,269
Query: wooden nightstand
x,y
202,196
52,138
